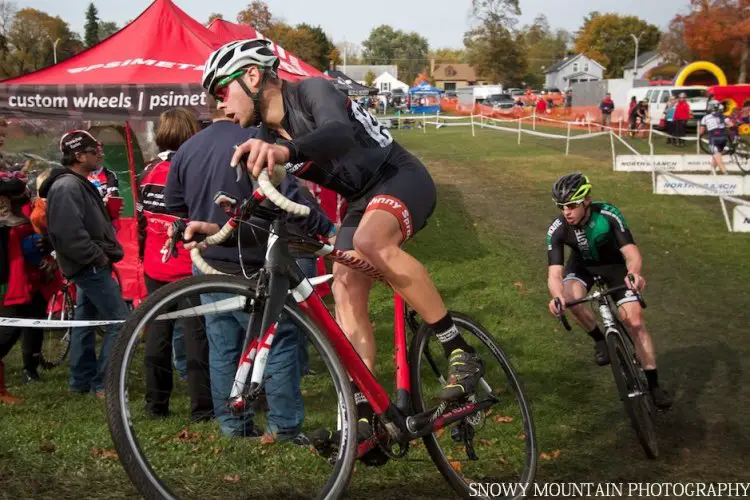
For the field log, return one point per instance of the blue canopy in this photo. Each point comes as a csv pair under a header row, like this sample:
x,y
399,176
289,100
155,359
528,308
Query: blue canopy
x,y
425,88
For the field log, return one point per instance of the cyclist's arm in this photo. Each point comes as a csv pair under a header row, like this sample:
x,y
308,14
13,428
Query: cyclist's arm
x,y
555,257
555,280
333,135
633,259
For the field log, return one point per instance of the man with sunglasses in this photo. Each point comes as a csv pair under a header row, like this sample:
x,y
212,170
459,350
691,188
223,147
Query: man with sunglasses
x,y
601,244
319,134
81,232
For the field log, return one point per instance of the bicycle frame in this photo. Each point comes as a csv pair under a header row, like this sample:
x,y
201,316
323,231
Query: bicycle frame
x,y
284,276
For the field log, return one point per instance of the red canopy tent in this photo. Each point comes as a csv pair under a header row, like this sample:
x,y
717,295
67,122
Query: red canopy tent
x,y
153,64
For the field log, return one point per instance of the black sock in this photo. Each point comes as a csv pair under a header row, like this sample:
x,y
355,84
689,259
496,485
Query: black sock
x,y
596,334
364,410
652,377
449,336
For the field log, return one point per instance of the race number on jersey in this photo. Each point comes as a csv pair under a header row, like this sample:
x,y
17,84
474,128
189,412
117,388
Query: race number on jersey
x,y
371,125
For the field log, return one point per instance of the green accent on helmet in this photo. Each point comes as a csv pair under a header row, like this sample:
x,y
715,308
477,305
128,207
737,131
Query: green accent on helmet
x,y
582,191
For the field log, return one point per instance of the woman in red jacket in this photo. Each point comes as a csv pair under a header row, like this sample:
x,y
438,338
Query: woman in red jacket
x,y
25,281
681,116
175,127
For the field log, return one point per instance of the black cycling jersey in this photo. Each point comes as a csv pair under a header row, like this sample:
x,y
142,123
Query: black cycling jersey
x,y
598,242
335,142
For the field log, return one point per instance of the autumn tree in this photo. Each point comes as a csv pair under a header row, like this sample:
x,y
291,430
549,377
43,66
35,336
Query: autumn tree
x,y
369,79
448,56
30,42
91,28
322,46
388,46
544,46
493,46
107,29
606,39
214,15
423,77
258,15
718,31
334,58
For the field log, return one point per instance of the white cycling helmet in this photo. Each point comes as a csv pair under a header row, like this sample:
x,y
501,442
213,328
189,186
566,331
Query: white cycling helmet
x,y
237,55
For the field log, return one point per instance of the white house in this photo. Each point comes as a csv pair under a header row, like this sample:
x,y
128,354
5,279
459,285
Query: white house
x,y
386,82
572,69
646,62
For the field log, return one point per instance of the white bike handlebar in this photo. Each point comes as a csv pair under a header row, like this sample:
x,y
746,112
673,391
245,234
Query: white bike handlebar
x,y
268,188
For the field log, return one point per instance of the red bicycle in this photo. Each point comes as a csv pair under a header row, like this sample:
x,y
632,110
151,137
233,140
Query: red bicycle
x,y
468,455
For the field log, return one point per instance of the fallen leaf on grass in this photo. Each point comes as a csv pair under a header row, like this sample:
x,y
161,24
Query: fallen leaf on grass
x,y
104,454
211,438
267,439
503,419
440,432
185,435
518,284
232,478
522,436
550,456
47,447
217,451
456,466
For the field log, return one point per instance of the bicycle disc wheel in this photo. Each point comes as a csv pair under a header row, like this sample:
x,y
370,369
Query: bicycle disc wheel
x,y
56,341
503,437
174,457
633,393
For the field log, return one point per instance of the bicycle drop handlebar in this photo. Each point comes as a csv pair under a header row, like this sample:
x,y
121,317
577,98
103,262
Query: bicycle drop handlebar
x,y
595,296
266,191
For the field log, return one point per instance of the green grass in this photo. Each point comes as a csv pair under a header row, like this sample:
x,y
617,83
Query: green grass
x,y
485,248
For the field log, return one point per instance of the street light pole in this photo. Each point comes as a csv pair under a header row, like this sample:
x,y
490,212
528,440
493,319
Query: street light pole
x,y
635,70
54,49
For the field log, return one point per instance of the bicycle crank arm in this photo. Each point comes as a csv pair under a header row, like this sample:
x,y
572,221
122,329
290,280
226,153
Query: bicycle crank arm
x,y
445,419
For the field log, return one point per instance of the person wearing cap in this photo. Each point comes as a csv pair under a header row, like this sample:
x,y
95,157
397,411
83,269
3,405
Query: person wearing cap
x,y
81,232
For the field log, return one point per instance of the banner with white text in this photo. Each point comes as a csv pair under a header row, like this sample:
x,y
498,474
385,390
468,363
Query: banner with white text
x,y
701,185
670,163
99,102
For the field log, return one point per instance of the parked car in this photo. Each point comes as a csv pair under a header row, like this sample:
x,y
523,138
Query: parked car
x,y
500,101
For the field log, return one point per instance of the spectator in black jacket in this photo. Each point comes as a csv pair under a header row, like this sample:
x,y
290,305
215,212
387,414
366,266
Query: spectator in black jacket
x,y
86,245
607,106
198,171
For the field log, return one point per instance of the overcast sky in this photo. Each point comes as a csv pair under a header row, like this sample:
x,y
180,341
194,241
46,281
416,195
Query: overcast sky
x,y
442,22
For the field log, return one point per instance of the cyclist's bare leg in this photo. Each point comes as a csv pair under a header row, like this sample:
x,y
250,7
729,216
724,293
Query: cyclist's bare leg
x,y
719,162
351,292
378,239
575,290
632,315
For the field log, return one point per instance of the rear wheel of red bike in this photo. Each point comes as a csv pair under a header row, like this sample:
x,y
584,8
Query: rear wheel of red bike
x,y
494,446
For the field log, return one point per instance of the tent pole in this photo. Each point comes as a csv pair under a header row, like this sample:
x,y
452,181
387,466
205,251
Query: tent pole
x,y
131,164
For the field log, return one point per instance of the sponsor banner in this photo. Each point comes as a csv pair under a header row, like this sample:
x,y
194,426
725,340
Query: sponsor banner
x,y
636,163
701,185
741,222
670,163
702,163
100,102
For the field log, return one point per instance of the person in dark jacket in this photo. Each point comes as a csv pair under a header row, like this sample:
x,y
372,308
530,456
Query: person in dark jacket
x,y
607,106
198,171
175,127
81,232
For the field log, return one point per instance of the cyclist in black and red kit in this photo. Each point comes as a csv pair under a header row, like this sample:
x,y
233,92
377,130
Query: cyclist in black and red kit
x,y
321,135
602,245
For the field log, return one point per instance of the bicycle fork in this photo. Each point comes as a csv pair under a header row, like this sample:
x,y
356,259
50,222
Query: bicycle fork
x,y
611,328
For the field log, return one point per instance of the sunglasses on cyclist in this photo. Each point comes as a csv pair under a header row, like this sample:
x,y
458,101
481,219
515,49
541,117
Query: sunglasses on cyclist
x,y
570,204
220,92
